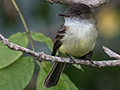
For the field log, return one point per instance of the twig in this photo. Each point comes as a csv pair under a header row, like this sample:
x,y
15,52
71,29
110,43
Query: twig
x,y
90,3
24,23
111,53
44,57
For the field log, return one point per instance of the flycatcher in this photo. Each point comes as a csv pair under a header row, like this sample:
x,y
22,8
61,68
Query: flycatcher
x,y
76,37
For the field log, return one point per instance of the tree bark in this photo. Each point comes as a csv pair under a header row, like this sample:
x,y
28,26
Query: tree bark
x,y
44,57
90,3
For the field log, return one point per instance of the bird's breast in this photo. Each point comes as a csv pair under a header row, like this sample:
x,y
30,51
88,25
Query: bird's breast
x,y
79,39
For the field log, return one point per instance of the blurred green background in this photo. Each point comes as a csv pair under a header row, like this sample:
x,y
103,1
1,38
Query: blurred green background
x,y
42,17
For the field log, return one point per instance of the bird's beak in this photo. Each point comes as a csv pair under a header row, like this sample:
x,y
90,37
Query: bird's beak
x,y
64,14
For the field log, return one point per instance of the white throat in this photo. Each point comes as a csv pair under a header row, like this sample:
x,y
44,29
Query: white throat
x,y
83,23
80,37
80,28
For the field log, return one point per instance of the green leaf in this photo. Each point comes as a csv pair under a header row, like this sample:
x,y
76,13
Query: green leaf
x,y
42,75
70,85
63,84
8,56
42,38
17,75
20,39
78,67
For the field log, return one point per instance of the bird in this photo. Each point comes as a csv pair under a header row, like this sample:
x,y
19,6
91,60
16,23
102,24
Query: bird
x,y
76,37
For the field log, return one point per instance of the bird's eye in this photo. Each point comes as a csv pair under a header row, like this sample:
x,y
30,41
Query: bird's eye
x,y
78,13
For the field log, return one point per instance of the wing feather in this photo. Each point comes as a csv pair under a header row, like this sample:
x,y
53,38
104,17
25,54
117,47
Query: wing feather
x,y
57,41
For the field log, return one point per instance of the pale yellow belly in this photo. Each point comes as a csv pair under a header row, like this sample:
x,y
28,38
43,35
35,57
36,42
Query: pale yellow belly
x,y
79,48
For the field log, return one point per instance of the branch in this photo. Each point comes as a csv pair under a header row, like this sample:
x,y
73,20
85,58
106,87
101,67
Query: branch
x,y
44,57
90,3
111,53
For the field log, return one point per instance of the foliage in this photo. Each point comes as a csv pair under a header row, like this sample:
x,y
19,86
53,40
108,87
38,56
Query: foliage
x,y
16,70
17,75
63,84
8,56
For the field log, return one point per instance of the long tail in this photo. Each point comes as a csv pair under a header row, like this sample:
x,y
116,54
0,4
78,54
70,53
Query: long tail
x,y
54,74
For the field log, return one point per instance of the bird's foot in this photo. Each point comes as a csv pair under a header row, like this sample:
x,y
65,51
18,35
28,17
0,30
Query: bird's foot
x,y
71,59
90,61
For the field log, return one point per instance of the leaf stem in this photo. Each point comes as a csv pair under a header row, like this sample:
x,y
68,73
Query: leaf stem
x,y
24,23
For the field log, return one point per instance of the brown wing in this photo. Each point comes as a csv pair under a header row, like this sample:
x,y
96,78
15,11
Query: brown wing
x,y
57,41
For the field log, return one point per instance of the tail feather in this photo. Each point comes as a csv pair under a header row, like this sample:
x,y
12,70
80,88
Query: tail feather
x,y
54,74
